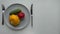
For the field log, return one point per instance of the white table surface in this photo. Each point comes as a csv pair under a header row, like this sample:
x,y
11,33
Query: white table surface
x,y
46,17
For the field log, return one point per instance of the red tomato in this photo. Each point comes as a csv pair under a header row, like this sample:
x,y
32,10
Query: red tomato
x,y
21,15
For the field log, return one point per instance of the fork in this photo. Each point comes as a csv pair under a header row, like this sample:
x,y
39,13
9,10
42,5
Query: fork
x,y
3,9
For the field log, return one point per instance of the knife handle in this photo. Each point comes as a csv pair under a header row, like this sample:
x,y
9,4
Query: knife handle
x,y
31,21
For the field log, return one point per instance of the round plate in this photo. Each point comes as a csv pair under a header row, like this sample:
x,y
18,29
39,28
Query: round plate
x,y
23,23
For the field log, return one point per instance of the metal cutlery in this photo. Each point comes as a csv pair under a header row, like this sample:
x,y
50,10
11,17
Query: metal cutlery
x,y
3,9
31,15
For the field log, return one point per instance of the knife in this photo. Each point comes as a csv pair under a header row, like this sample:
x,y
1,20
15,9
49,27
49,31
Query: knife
x,y
31,15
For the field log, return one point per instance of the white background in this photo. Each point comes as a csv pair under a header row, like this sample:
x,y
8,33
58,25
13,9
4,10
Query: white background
x,y
46,17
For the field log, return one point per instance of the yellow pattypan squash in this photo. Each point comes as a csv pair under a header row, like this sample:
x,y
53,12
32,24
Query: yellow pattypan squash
x,y
14,20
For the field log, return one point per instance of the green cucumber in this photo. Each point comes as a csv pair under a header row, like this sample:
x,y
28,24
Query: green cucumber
x,y
16,11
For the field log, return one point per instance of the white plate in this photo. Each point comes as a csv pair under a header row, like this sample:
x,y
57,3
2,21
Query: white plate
x,y
24,23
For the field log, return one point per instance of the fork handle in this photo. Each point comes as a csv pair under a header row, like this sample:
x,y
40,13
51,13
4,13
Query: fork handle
x,y
2,18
